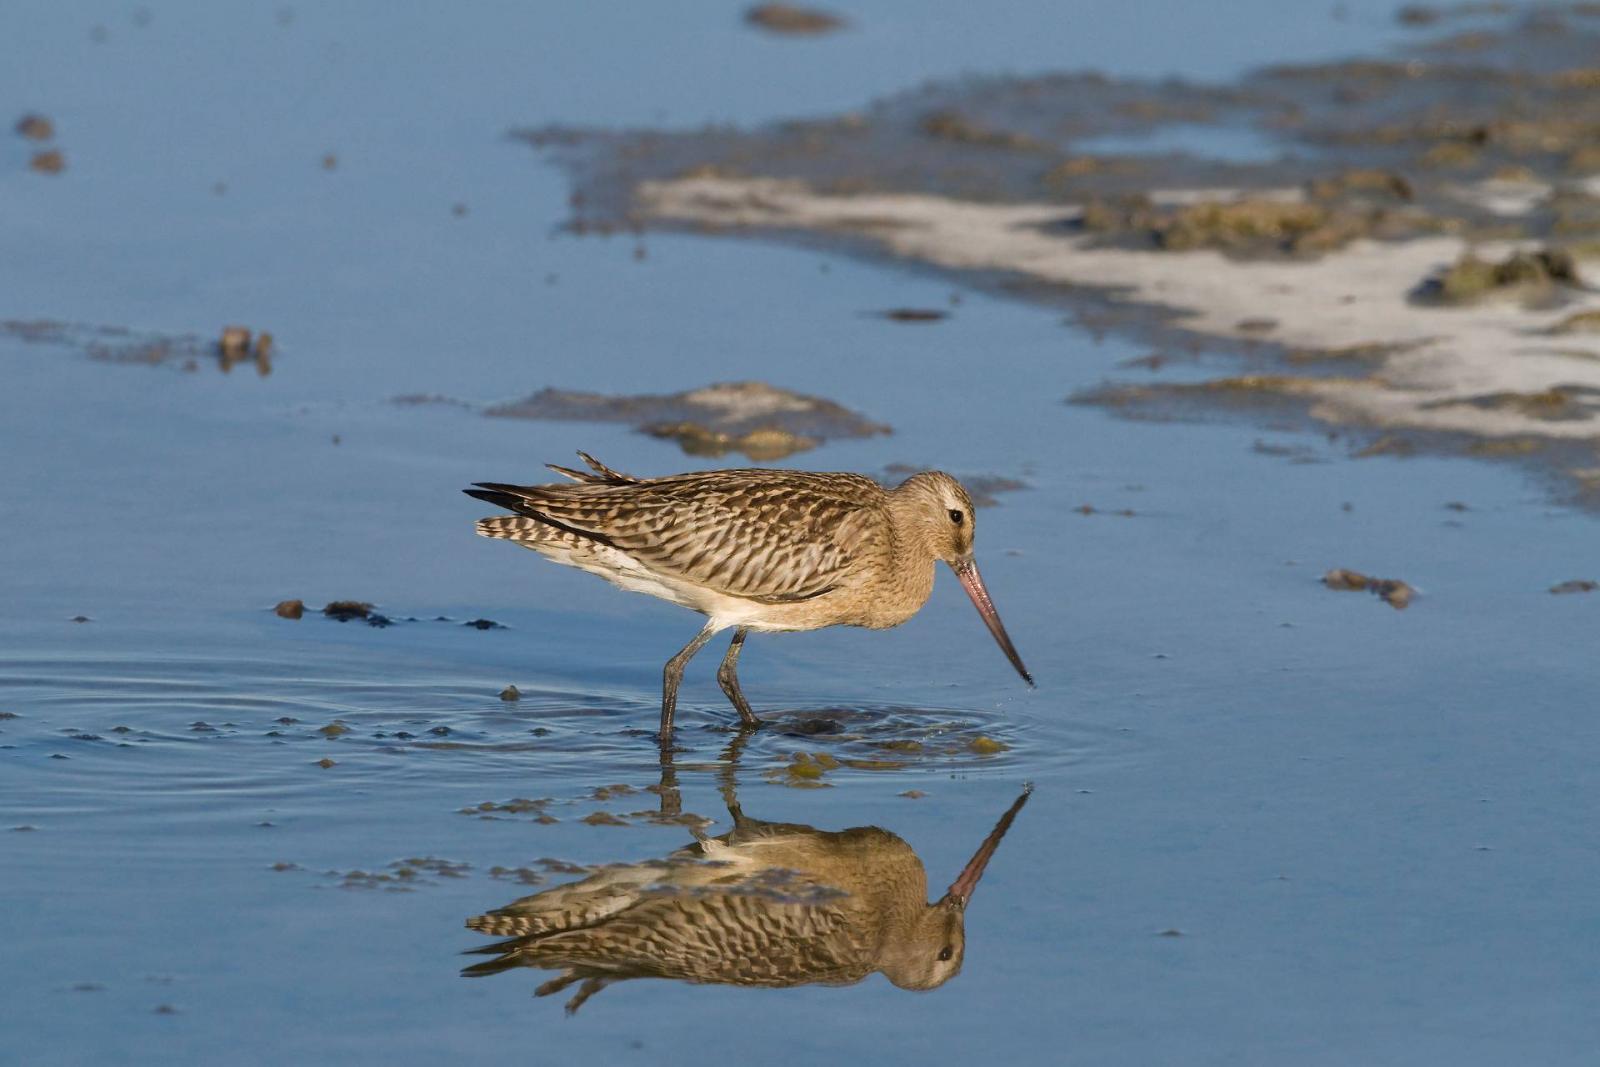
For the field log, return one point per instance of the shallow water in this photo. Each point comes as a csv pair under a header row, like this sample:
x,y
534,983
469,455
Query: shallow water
x,y
1370,830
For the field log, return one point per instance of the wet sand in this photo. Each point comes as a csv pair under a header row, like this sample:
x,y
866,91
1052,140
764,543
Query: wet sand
x,y
1394,253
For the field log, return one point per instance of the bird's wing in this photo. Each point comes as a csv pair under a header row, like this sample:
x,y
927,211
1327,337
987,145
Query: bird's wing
x,y
779,538
740,938
572,906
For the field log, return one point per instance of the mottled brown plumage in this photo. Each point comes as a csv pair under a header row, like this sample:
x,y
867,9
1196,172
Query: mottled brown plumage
x,y
769,550
767,904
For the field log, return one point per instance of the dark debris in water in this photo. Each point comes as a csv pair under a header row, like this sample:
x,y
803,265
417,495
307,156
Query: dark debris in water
x,y
401,875
48,161
1392,591
345,610
793,20
833,741
353,610
914,315
237,345
118,344
35,127
812,726
602,818
1576,585
520,875
534,809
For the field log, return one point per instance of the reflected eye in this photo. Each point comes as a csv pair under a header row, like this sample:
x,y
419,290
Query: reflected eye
x,y
956,516
946,952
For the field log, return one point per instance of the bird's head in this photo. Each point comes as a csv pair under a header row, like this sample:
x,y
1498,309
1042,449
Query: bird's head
x,y
940,511
931,954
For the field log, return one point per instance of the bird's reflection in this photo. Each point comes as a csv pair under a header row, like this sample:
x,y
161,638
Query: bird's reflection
x,y
766,904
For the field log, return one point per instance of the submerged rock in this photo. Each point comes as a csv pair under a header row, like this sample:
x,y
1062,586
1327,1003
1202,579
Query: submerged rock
x,y
760,445
757,419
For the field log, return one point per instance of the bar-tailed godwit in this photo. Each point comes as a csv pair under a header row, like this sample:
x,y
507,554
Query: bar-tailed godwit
x,y
777,905
768,550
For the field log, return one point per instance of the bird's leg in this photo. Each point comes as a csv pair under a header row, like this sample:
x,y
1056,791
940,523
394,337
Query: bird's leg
x,y
588,989
671,798
728,678
728,774
672,675
558,983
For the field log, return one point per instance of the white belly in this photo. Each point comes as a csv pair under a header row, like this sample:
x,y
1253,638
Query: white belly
x,y
625,572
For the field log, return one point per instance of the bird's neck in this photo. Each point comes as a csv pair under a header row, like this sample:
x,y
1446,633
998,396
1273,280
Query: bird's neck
x,y
911,576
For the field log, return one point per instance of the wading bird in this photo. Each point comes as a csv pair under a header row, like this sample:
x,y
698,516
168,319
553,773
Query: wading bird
x,y
768,550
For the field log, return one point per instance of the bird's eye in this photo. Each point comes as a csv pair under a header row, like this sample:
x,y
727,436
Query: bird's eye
x,y
946,952
956,516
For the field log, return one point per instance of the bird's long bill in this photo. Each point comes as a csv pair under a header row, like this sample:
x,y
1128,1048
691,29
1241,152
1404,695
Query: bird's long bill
x,y
961,889
967,571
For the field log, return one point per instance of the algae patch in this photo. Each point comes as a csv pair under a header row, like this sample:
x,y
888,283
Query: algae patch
x,y
1533,276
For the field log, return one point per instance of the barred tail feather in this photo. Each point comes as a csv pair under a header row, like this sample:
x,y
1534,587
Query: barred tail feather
x,y
514,528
